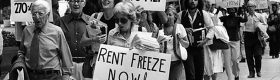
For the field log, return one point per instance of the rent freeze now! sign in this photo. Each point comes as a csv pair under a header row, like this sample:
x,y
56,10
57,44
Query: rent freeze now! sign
x,y
118,63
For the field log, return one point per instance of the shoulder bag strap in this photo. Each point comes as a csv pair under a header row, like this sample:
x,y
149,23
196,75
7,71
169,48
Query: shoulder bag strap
x,y
176,43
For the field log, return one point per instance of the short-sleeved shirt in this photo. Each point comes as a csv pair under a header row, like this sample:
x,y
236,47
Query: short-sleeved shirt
x,y
250,25
232,25
169,38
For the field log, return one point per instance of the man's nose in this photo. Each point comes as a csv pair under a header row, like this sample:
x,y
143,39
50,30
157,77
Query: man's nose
x,y
76,3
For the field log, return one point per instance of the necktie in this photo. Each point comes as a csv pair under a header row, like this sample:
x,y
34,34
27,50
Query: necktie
x,y
34,50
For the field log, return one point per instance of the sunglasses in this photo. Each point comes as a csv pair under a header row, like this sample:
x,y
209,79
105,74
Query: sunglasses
x,y
122,20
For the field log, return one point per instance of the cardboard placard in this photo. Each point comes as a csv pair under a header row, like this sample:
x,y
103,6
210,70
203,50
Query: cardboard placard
x,y
261,4
118,63
150,5
228,3
20,10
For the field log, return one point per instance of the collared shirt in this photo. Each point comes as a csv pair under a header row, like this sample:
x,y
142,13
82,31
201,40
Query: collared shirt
x,y
202,19
115,38
250,25
73,28
54,51
232,25
207,18
169,39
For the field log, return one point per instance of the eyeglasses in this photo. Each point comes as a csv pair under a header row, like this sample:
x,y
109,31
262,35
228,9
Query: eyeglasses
x,y
78,1
251,6
122,20
38,14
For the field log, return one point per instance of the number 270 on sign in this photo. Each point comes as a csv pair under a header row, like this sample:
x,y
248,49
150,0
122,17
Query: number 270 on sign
x,y
22,7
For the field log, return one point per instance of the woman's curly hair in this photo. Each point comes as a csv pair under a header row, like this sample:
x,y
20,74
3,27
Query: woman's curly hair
x,y
126,8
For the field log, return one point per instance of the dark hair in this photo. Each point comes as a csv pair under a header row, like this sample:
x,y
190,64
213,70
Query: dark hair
x,y
55,4
274,5
239,11
232,8
185,3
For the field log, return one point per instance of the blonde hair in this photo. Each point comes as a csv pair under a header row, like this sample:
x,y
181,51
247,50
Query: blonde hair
x,y
43,3
252,3
126,8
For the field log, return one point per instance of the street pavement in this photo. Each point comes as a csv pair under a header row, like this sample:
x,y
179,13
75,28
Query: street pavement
x,y
270,70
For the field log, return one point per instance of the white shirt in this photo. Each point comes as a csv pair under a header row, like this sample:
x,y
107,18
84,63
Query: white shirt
x,y
220,32
179,30
250,25
207,18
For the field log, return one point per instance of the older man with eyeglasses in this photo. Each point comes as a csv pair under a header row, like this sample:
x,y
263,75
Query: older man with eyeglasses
x,y
253,46
44,47
74,26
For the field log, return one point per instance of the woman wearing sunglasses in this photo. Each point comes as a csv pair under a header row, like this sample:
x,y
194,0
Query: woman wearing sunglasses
x,y
125,18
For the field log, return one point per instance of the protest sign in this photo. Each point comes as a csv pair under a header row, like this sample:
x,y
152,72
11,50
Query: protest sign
x,y
118,63
20,10
228,3
275,0
151,5
261,4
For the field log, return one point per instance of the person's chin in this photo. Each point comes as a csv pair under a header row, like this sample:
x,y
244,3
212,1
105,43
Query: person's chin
x,y
124,29
76,11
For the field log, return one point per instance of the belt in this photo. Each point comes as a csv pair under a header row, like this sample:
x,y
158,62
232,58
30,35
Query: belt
x,y
83,59
43,72
79,59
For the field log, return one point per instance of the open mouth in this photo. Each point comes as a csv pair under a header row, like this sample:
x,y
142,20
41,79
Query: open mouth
x,y
37,22
76,7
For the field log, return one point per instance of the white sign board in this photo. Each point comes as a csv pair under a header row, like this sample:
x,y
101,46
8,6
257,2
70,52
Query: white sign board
x,y
275,0
228,3
261,4
151,5
118,63
20,10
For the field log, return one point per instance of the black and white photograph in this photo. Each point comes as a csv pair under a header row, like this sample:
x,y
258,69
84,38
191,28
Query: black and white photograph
x,y
139,39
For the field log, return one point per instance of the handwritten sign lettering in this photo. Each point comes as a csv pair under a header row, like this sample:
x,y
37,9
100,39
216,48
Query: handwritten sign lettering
x,y
151,5
261,4
228,3
117,63
21,10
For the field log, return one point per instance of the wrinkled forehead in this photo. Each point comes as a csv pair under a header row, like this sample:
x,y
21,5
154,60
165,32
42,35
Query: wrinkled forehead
x,y
121,15
39,8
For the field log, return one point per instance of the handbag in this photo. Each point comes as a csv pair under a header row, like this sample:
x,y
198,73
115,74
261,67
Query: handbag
x,y
177,70
179,50
218,44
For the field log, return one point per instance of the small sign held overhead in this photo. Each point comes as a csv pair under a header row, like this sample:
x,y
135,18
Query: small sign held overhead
x,y
150,5
21,10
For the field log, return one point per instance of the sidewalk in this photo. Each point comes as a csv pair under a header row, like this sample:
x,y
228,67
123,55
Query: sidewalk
x,y
270,70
